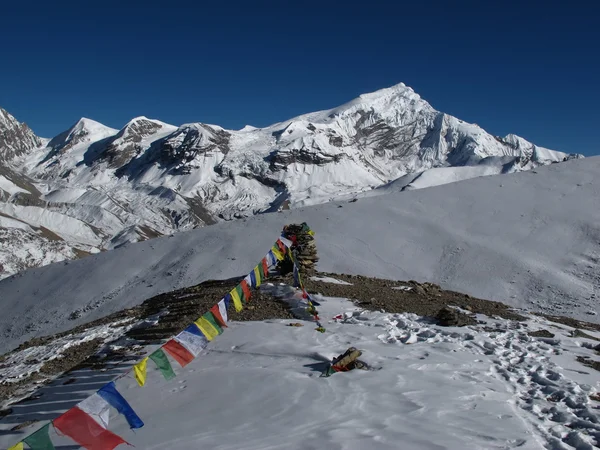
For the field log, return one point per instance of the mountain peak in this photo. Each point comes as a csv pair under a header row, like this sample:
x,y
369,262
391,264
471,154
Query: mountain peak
x,y
15,138
83,131
7,121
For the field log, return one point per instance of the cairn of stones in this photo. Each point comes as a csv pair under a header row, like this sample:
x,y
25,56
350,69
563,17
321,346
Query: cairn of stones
x,y
303,248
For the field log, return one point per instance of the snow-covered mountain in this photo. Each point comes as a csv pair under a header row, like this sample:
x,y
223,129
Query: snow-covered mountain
x,y
96,188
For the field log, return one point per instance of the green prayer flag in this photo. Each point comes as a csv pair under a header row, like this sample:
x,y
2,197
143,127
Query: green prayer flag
x,y
40,440
162,362
211,318
240,292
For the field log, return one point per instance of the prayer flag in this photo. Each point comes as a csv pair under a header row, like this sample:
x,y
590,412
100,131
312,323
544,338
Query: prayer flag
x,y
109,393
237,301
162,362
219,311
265,268
140,371
40,440
208,325
18,446
227,301
277,253
178,352
282,248
86,431
192,339
245,290
97,408
257,275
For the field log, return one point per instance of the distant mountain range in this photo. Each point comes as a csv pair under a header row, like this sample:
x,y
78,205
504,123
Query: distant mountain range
x,y
94,188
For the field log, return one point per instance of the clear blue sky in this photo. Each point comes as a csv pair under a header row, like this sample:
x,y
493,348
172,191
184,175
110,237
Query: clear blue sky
x,y
530,68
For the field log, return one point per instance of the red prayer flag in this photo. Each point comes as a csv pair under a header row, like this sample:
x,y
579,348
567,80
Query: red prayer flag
x,y
181,354
265,266
84,430
281,246
246,290
217,314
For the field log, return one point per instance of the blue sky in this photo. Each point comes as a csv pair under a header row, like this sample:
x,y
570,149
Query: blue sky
x,y
530,68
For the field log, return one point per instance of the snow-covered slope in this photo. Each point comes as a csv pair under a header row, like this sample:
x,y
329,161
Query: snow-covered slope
x,y
150,178
258,386
530,239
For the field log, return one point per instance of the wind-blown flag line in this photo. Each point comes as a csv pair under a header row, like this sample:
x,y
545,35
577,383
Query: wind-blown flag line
x,y
86,431
87,422
109,393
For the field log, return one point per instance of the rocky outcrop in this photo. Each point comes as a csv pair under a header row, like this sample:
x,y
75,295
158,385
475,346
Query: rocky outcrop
x,y
126,145
16,138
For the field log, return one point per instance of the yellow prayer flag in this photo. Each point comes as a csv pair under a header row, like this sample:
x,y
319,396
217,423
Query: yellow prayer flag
x,y
19,446
311,232
207,328
278,254
140,371
257,276
237,302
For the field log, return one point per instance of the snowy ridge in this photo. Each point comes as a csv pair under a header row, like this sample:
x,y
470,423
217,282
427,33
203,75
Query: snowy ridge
x,y
511,238
163,179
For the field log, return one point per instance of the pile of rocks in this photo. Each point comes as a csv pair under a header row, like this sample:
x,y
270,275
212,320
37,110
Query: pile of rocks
x,y
304,247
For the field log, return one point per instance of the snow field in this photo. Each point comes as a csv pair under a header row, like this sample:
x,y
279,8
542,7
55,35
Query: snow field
x,y
258,386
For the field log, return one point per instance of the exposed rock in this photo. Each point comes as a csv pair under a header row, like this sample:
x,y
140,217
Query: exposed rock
x,y
541,334
15,138
451,317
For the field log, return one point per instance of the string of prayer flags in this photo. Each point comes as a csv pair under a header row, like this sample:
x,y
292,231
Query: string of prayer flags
x,y
162,362
87,422
40,440
84,430
109,393
178,352
209,326
97,408
219,311
139,371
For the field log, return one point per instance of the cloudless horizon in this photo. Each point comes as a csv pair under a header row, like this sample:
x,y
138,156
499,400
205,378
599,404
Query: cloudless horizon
x,y
526,68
